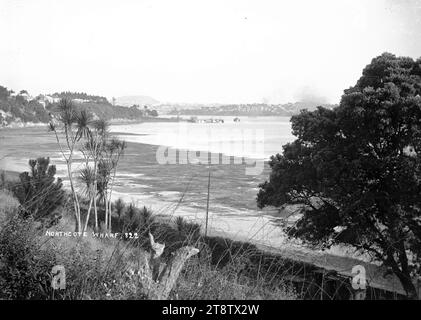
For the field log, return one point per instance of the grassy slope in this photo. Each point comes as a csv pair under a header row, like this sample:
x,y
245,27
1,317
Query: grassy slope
x,y
219,245
106,268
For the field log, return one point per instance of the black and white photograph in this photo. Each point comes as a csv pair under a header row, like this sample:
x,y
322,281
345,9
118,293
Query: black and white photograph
x,y
212,155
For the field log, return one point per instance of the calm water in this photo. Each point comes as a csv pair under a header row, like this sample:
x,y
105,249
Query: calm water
x,y
261,136
181,189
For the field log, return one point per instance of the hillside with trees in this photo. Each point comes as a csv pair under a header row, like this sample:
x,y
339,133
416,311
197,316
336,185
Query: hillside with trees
x,y
16,109
81,96
107,111
23,109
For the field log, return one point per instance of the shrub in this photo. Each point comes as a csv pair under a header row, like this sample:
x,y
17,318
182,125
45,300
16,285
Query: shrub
x,y
2,175
120,207
38,192
107,268
223,249
27,259
24,267
9,206
187,229
139,221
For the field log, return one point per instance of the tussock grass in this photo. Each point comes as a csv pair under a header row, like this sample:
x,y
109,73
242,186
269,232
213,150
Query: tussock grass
x,y
107,268
8,205
201,280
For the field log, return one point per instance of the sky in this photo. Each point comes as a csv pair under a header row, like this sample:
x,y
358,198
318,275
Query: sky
x,y
201,51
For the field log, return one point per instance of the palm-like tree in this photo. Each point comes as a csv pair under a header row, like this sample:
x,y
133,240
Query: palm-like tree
x,y
83,121
94,146
87,177
99,148
115,150
74,125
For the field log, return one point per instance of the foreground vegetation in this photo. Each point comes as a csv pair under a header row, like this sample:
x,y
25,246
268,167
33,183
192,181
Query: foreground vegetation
x,y
107,268
101,267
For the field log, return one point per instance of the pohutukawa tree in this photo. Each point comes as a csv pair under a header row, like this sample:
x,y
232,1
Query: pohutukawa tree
x,y
356,169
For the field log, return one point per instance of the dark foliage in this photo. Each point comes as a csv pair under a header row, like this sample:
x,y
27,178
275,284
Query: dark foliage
x,y
38,191
18,107
24,267
356,169
81,96
27,259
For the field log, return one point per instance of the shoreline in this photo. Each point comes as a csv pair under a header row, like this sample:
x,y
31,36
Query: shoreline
x,y
119,121
324,261
114,121
240,224
329,261
22,125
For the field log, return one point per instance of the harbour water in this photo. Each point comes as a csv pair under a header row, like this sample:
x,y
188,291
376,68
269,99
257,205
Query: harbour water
x,y
180,189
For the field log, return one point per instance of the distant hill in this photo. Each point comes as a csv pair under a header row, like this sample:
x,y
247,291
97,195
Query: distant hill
x,y
128,101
